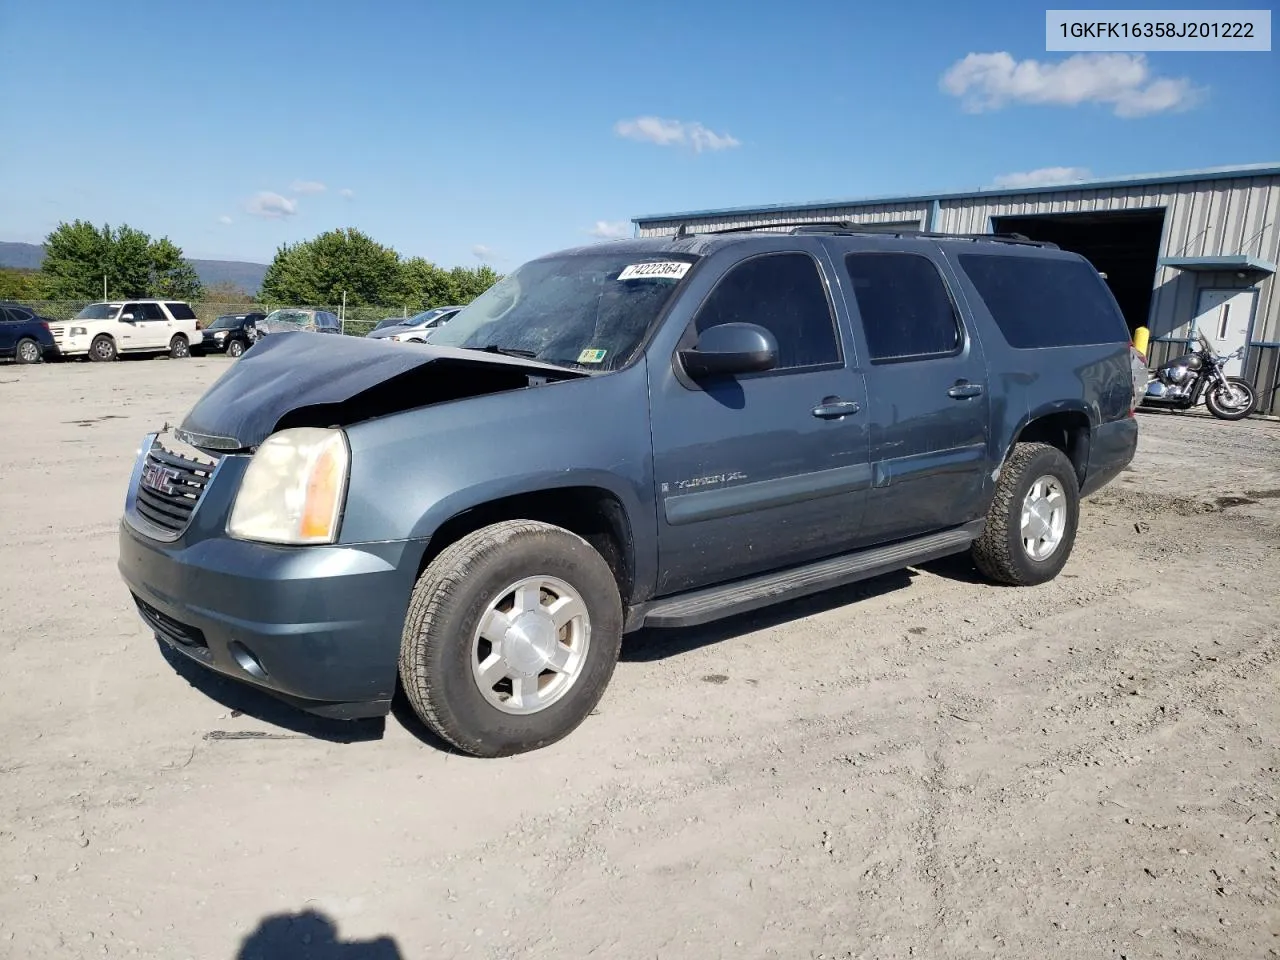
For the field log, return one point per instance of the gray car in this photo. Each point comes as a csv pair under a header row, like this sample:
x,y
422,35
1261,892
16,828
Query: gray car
x,y
295,319
658,432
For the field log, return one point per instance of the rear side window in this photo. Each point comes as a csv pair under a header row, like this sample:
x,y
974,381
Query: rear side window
x,y
783,293
906,311
1043,302
181,311
150,311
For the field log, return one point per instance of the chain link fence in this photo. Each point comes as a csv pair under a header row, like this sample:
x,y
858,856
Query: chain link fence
x,y
357,321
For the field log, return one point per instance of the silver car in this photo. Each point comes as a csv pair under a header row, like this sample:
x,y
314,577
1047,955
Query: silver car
x,y
415,329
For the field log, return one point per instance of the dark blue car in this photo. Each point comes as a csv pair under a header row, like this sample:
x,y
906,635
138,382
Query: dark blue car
x,y
24,335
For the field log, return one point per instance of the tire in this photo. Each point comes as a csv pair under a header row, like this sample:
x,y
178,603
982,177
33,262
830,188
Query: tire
x,y
103,349
28,351
179,347
1223,412
1001,553
441,646
235,348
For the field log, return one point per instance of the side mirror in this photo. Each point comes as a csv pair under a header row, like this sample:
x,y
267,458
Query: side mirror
x,y
126,317
730,348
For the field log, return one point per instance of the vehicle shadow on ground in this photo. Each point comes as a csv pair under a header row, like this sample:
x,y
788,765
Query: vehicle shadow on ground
x,y
648,645
310,935
244,699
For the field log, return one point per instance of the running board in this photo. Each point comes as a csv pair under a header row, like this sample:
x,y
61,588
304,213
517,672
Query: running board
x,y
741,596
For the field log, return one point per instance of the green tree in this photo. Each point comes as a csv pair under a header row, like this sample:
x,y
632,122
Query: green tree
x,y
78,256
320,270
171,274
424,285
18,284
470,283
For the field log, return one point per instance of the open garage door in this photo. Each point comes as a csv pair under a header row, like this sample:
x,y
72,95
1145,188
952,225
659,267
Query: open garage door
x,y
1123,244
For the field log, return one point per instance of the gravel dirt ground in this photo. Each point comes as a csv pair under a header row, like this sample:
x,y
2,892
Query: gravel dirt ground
x,y
919,766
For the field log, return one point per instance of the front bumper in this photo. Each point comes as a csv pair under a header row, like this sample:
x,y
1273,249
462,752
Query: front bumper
x,y
316,626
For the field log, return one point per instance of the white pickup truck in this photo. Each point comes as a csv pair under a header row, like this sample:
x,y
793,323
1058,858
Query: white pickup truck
x,y
103,331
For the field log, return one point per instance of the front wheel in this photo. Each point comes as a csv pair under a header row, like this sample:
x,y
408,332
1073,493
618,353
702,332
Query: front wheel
x,y
1031,524
511,637
28,351
235,348
1233,399
103,349
179,347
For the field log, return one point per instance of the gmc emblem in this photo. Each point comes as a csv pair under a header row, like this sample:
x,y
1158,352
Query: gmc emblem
x,y
160,479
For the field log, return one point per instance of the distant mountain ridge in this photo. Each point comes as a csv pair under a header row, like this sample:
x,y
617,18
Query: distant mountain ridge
x,y
248,276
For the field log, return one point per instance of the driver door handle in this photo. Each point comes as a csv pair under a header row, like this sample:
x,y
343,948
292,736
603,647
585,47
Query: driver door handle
x,y
964,390
833,408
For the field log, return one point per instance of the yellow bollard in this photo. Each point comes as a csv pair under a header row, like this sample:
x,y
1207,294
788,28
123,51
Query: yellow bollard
x,y
1141,337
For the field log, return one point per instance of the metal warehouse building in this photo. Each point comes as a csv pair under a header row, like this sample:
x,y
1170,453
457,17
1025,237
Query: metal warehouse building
x,y
1181,251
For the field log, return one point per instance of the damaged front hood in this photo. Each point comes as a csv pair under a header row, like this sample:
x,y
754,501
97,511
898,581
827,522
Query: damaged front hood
x,y
297,379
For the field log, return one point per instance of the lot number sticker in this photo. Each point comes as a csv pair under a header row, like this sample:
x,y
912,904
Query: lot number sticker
x,y
662,270
591,356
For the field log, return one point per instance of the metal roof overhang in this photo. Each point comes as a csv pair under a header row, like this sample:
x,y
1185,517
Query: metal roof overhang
x,y
1237,261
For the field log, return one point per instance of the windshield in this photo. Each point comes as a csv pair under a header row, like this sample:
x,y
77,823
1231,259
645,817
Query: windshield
x,y
390,322
296,317
99,311
224,323
590,310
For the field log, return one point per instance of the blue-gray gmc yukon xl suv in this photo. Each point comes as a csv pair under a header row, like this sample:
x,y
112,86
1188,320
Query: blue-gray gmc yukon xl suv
x,y
652,432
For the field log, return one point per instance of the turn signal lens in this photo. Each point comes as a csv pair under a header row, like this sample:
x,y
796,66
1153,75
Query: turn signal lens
x,y
294,488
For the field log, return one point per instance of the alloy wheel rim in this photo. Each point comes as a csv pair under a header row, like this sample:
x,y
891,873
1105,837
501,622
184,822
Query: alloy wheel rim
x,y
1044,518
530,646
29,352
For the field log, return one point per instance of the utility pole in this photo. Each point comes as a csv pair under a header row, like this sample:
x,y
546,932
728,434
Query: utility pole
x,y
104,286
344,311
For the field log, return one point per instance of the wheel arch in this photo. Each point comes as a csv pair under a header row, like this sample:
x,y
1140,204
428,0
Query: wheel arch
x,y
1069,427
595,513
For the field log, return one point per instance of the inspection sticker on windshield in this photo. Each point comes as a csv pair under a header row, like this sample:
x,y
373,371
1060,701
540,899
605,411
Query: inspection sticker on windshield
x,y
592,356
662,270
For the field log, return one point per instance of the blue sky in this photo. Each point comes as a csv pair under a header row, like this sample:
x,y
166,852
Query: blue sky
x,y
497,131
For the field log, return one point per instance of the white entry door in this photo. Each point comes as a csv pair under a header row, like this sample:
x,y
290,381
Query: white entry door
x,y
1223,317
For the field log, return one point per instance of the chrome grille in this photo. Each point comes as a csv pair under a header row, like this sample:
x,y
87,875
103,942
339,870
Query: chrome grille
x,y
171,484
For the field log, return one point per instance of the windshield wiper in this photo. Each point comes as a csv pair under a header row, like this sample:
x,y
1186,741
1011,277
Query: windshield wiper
x,y
507,351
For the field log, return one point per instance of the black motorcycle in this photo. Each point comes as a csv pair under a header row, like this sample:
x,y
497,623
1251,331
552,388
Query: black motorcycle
x,y
1197,377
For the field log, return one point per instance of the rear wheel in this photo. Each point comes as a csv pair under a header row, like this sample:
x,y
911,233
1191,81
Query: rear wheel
x,y
511,637
103,349
1031,524
28,351
1233,400
179,347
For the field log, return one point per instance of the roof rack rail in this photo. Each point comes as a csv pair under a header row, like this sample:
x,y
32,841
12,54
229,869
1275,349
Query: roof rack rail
x,y
849,228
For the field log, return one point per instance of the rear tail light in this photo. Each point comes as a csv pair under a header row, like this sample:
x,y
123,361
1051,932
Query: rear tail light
x,y
45,324
1138,364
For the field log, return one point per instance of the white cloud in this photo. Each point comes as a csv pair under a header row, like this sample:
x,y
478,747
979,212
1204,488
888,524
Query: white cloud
x,y
307,186
224,219
1042,177
481,252
674,133
610,229
990,81
271,206
347,193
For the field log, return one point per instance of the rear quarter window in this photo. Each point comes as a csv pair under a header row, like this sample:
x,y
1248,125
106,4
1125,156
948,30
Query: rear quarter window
x,y
181,311
1045,301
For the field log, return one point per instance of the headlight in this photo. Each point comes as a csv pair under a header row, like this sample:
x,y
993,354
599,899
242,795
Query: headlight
x,y
294,488
78,332
220,335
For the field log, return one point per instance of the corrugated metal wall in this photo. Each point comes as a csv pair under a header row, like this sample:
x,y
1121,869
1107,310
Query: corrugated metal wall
x,y
912,216
1203,218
